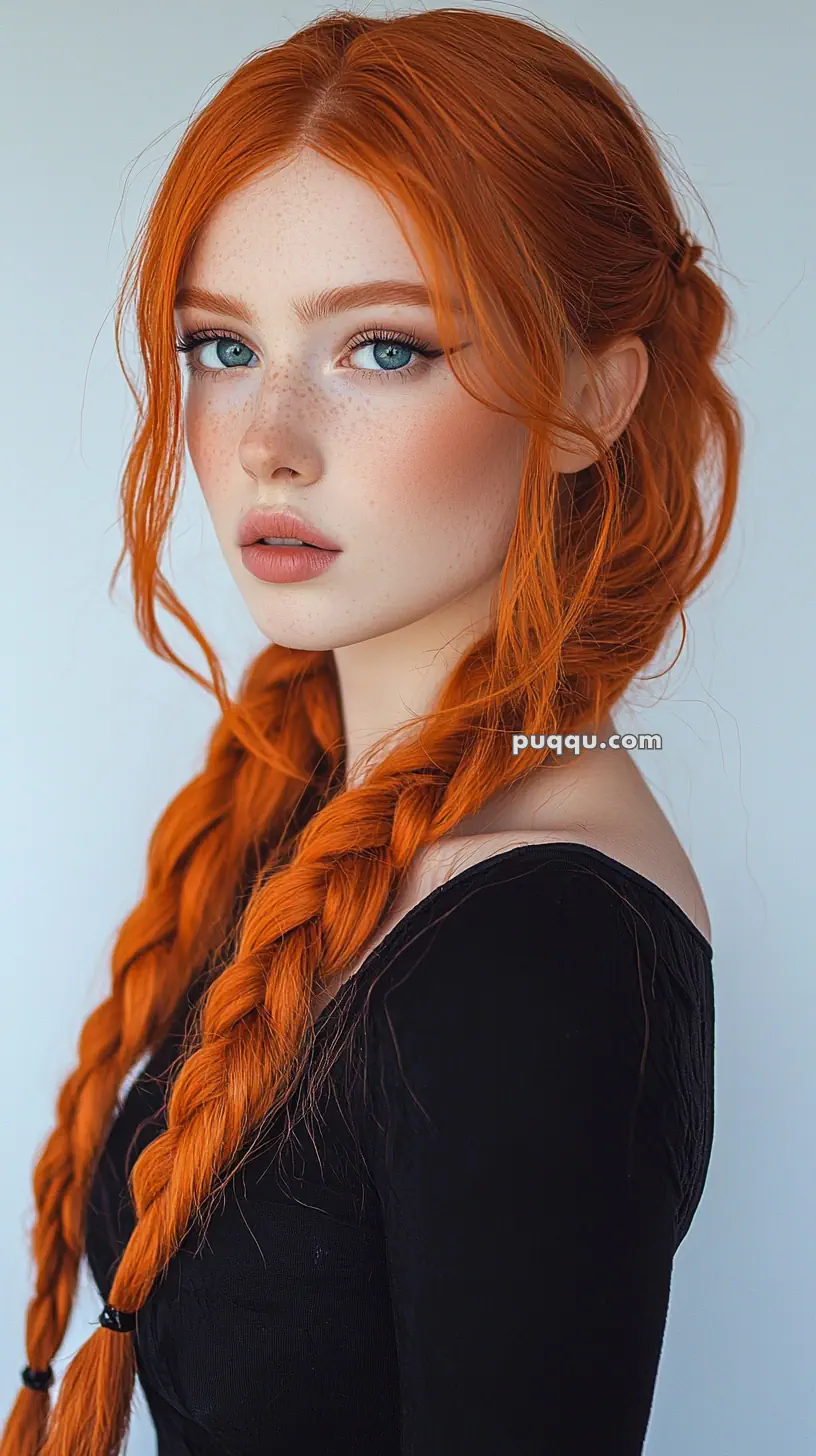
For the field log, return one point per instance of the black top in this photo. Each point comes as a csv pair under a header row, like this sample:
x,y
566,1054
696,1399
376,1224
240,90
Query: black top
x,y
474,1253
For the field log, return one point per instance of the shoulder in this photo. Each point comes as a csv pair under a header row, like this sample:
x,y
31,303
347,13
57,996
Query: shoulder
x,y
657,859
537,999
538,928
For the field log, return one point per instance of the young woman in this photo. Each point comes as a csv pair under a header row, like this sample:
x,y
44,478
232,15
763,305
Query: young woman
x,y
428,1022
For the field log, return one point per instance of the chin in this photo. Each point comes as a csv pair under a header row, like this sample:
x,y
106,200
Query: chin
x,y
323,627
302,638
308,636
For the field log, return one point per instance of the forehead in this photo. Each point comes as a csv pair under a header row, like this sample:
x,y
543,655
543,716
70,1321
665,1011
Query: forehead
x,y
297,228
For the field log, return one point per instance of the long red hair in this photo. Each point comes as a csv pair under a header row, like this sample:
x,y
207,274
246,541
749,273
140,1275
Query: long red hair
x,y
535,184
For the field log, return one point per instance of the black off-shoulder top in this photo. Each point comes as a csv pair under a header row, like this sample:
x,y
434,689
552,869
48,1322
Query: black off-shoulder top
x,y
472,1250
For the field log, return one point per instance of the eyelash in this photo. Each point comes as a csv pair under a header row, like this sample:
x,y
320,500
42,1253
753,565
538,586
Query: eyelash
x,y
188,343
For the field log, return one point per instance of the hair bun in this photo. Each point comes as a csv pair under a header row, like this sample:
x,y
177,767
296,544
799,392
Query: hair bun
x,y
686,253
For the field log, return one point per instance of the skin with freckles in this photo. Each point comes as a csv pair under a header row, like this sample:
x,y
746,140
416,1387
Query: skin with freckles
x,y
380,448
386,453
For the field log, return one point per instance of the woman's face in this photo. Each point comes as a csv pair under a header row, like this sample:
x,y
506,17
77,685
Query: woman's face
x,y
380,449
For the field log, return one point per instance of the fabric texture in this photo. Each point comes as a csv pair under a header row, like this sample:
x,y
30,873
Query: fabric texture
x,y
472,1251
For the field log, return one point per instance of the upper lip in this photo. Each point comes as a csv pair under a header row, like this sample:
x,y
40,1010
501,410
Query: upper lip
x,y
265,521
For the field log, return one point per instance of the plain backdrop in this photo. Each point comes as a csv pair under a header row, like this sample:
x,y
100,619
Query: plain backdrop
x,y
97,735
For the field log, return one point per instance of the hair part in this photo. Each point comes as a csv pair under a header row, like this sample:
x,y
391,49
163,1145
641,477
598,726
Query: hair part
x,y
536,189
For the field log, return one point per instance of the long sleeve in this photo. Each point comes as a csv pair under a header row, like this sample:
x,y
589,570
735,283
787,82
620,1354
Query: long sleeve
x,y
531,1154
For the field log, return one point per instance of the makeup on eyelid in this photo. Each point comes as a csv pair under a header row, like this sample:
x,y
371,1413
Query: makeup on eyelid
x,y
190,342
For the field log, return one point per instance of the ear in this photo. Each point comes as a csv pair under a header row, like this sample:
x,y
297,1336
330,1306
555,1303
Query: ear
x,y
604,394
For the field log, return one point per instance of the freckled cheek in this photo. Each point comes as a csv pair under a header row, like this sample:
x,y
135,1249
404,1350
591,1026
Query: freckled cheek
x,y
454,471
212,437
446,471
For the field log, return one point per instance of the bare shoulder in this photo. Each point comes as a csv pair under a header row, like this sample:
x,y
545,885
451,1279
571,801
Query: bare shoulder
x,y
601,801
657,857
629,828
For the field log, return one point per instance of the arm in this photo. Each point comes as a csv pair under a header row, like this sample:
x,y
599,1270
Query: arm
x,y
530,1272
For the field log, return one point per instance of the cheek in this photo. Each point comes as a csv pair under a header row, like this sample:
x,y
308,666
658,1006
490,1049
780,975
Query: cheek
x,y
452,469
212,436
438,473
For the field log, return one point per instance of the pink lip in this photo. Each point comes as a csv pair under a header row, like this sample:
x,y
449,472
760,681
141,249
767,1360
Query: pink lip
x,y
266,521
286,563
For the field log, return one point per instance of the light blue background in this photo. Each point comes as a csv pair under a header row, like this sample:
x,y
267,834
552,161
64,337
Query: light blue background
x,y
97,735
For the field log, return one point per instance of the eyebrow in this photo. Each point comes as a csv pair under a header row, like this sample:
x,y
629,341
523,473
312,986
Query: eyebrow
x,y
316,305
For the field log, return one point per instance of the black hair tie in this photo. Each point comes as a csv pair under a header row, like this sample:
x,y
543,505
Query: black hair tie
x,y
119,1320
38,1379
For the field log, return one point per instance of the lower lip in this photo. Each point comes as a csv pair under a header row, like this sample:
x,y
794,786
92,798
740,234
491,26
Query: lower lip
x,y
286,563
